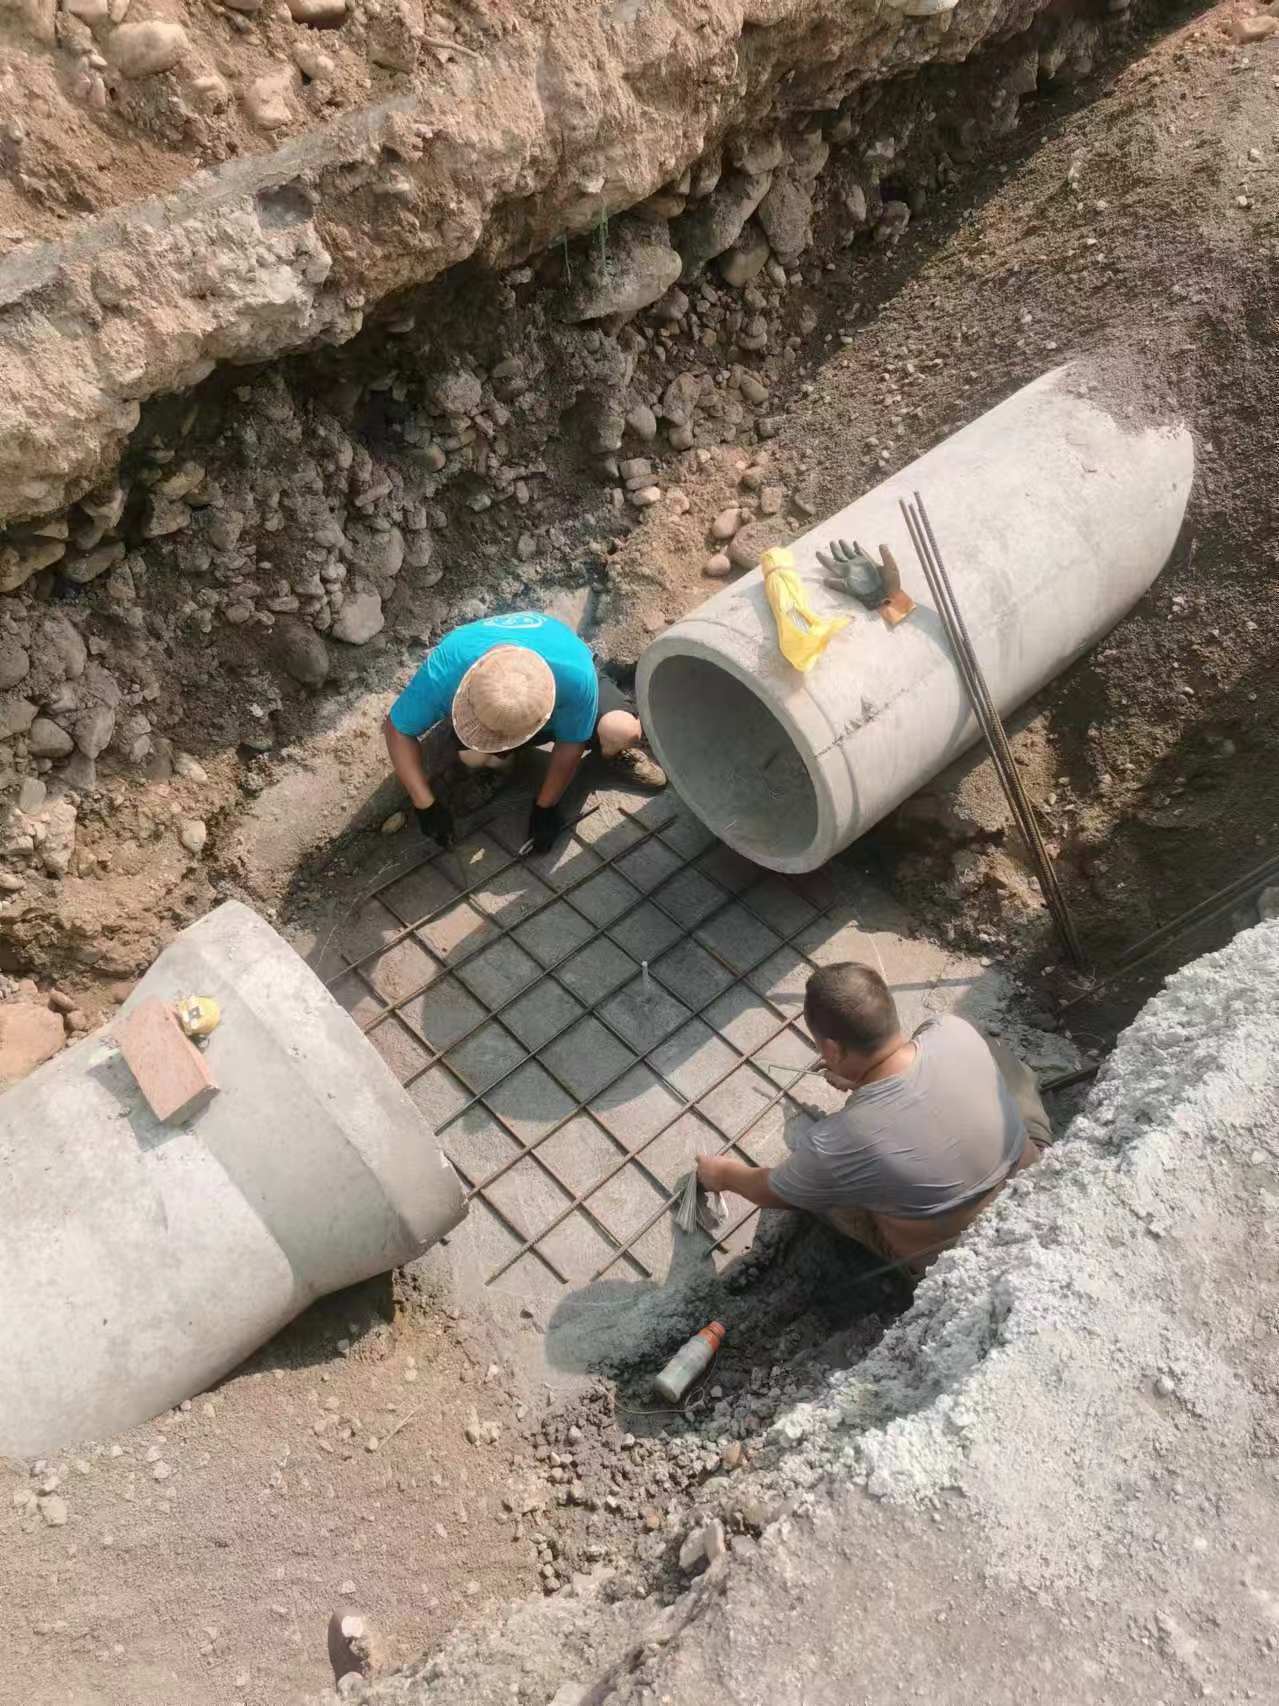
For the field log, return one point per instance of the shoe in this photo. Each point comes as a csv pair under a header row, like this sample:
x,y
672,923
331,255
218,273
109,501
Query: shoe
x,y
640,770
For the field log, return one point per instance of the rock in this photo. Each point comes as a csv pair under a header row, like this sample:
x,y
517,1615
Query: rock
x,y
771,500
193,832
726,523
1256,28
15,662
714,1543
60,1002
16,716
93,729
644,496
757,153
1268,902
29,1035
394,824
23,558
190,769
706,1542
455,393
266,100
394,33
749,545
718,566
809,154
88,565
53,1509
59,648
146,49
713,225
680,399
301,652
318,14
10,883
633,267
786,215
641,420
419,550
32,795
894,217
58,846
47,739
746,259
569,1694
855,202
635,468
731,1456
360,618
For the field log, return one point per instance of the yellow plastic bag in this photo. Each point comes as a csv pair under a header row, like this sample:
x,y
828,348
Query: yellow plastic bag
x,y
802,635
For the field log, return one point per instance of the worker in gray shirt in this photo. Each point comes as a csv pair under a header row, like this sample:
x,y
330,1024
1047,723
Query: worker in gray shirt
x,y
934,1125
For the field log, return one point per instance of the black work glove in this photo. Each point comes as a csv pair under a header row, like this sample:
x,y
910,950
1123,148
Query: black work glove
x,y
544,827
436,821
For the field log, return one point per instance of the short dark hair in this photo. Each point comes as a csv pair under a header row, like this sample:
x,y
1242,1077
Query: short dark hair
x,y
851,1005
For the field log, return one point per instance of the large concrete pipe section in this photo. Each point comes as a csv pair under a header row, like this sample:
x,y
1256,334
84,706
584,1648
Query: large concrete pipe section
x,y
140,1262
1054,514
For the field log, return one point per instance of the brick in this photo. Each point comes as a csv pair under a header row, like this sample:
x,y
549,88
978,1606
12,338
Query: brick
x,y
482,1059
170,1071
645,933
444,1013
423,892
438,1095
354,995
401,1051
670,1156
778,902
604,897
742,1017
649,865
596,971
580,1153
636,1106
693,1059
530,1102
498,973
728,868
692,974
643,1019
689,897
459,930
587,1058
511,895
541,1013
739,1100
401,970
783,978
552,935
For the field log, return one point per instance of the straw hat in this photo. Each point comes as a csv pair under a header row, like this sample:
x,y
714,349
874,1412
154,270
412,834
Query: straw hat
x,y
503,699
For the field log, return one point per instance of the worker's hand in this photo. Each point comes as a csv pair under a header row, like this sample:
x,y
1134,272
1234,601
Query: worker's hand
x,y
710,1172
436,822
544,827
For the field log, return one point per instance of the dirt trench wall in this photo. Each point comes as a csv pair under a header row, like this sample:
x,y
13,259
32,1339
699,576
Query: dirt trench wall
x,y
504,374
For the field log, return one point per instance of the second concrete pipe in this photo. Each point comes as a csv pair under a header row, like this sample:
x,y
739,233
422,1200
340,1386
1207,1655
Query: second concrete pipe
x,y
1055,511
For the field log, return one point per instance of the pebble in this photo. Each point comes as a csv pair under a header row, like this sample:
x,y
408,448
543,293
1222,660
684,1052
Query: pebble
x,y
726,523
190,769
715,568
645,496
193,833
54,1511
1164,1387
319,14
394,824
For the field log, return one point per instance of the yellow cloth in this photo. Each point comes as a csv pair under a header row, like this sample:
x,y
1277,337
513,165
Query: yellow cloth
x,y
802,635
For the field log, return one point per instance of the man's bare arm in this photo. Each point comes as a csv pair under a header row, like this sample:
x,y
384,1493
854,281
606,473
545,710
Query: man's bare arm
x,y
565,758
722,1173
406,761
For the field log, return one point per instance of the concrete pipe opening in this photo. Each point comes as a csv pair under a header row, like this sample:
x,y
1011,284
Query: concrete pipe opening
x,y
735,758
1054,511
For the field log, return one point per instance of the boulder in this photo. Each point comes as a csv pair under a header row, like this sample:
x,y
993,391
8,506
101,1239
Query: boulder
x,y
59,838
633,265
59,649
15,662
16,716
146,49
48,739
93,729
713,225
29,1035
300,651
746,259
786,215
456,392
360,617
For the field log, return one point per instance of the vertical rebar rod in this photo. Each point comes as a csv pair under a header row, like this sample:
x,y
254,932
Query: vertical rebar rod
x,y
925,542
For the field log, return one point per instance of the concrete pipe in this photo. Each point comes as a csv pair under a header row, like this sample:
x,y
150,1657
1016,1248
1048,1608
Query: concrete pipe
x,y
1054,515
140,1262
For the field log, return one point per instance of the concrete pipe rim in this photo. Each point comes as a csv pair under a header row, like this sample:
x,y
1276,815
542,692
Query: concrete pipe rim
x,y
702,771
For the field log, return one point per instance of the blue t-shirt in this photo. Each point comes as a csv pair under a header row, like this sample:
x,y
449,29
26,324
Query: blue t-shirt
x,y
429,696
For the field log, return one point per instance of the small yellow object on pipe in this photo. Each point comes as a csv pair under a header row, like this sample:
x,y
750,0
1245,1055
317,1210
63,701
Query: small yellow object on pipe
x,y
802,635
198,1015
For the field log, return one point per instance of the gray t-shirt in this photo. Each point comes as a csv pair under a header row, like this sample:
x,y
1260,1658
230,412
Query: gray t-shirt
x,y
917,1144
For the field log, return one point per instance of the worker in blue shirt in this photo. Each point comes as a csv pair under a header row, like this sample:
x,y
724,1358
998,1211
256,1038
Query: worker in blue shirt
x,y
502,683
